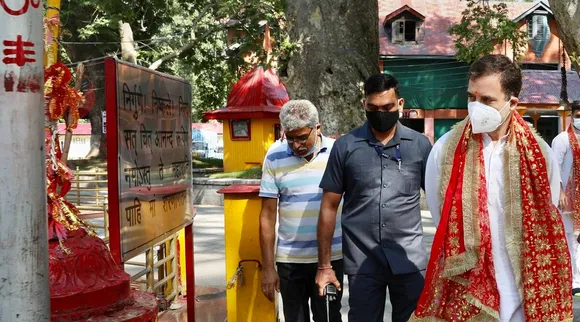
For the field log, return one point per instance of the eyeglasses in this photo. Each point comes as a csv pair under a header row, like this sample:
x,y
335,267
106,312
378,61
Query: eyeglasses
x,y
299,139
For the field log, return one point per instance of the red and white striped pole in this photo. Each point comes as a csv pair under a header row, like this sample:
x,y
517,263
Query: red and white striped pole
x,y
24,288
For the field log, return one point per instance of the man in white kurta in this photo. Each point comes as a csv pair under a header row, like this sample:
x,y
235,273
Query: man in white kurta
x,y
510,302
491,104
564,155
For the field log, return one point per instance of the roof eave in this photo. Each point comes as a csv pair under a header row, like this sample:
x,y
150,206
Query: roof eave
x,y
538,5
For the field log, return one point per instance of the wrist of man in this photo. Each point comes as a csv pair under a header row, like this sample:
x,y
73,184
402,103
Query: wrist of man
x,y
268,267
323,264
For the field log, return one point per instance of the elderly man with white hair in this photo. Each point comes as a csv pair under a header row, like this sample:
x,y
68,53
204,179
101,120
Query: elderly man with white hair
x,y
291,176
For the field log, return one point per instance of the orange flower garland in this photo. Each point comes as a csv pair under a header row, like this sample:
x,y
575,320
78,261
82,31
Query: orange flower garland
x,y
61,101
60,97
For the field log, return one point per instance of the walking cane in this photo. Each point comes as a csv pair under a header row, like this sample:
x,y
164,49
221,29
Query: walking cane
x,y
330,292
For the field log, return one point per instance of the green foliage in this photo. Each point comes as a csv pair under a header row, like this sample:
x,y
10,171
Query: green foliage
x,y
192,33
575,59
482,27
252,173
203,163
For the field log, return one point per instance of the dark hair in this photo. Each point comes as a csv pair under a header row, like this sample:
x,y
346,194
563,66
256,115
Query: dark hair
x,y
511,75
381,82
575,106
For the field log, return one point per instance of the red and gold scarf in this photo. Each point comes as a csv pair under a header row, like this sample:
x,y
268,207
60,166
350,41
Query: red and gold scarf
x,y
573,186
460,283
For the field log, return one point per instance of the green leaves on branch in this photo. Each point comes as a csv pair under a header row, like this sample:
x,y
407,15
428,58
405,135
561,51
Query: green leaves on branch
x,y
483,28
188,38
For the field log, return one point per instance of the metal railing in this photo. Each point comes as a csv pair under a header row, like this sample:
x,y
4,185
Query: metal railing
x,y
87,195
161,259
87,188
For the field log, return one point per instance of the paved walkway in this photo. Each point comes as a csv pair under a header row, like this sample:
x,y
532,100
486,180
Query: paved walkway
x,y
210,262
210,268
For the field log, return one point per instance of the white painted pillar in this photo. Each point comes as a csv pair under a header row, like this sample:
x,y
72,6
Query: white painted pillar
x,y
24,288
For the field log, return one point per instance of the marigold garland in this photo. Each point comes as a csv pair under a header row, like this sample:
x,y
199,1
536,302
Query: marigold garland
x,y
60,97
61,101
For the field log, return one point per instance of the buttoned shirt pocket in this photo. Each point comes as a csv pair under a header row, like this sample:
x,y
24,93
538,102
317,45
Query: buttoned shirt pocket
x,y
411,177
362,179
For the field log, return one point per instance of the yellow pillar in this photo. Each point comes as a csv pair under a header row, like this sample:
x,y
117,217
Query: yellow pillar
x,y
182,262
245,302
52,14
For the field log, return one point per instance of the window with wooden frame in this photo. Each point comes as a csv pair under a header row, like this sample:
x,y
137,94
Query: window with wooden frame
x,y
538,32
405,25
240,130
538,27
406,30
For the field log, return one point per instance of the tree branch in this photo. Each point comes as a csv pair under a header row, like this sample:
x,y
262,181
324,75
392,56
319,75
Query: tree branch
x,y
184,49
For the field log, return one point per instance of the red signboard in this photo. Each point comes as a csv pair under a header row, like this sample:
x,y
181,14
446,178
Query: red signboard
x,y
149,156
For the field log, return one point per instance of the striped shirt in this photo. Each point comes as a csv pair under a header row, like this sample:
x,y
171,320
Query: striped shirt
x,y
295,182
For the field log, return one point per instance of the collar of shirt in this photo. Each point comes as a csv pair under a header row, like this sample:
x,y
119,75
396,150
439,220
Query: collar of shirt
x,y
487,139
323,146
366,134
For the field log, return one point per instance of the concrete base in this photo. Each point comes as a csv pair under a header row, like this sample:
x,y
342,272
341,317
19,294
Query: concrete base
x,y
576,309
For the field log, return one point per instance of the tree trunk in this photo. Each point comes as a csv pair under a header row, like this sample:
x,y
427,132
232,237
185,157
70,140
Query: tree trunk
x,y
567,13
338,45
98,139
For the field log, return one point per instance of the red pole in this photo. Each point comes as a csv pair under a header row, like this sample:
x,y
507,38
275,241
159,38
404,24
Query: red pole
x,y
112,169
189,267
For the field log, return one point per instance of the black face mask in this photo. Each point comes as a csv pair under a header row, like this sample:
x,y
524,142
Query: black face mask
x,y
382,121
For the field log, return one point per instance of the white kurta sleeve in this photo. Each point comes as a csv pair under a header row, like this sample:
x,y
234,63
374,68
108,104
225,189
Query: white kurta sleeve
x,y
559,147
433,178
554,175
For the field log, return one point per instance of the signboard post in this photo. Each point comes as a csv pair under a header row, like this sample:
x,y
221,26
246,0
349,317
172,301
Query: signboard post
x,y
24,287
148,160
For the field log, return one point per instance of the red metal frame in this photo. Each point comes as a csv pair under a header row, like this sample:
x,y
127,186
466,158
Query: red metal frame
x,y
112,168
240,189
190,271
241,138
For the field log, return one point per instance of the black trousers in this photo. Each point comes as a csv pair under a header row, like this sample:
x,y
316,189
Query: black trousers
x,y
297,286
367,295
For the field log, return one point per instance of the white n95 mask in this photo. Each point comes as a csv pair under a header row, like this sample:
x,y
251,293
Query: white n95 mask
x,y
484,118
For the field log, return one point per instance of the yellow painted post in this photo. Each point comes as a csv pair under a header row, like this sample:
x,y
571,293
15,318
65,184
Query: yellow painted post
x,y
182,270
182,280
245,302
52,15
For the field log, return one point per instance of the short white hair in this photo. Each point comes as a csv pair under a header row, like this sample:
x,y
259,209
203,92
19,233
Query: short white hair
x,y
297,114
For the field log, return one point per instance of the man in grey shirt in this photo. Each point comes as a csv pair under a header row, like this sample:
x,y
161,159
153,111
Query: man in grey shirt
x,y
379,168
